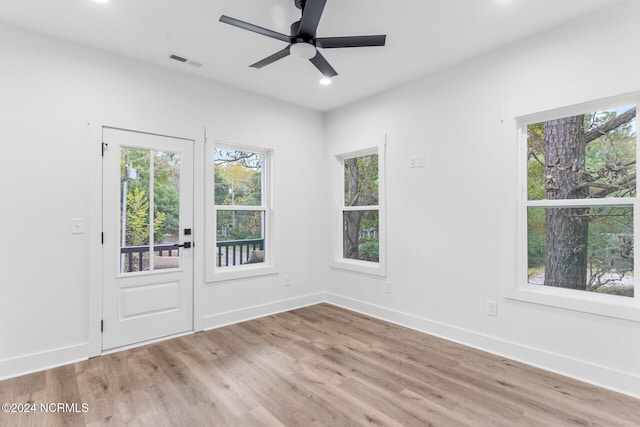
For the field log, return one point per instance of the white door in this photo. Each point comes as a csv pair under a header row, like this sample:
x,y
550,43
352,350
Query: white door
x,y
147,237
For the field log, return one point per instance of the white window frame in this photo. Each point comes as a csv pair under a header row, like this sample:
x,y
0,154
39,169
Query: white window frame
x,y
338,260
216,274
577,300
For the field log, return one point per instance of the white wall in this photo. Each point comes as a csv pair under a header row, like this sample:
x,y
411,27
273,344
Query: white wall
x,y
48,91
452,225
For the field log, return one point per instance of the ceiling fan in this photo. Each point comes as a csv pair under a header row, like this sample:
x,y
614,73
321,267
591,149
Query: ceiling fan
x,y
303,42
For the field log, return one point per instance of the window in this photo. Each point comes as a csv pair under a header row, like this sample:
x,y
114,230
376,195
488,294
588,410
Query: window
x,y
240,212
579,203
360,216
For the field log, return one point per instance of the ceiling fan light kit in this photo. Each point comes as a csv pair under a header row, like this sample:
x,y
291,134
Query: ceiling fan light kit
x,y
303,50
302,42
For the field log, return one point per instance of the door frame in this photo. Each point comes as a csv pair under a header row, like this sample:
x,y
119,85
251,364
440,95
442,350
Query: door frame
x,y
169,126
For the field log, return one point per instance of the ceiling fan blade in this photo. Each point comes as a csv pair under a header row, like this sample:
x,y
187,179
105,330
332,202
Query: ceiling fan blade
x,y
311,18
355,41
321,64
254,28
271,59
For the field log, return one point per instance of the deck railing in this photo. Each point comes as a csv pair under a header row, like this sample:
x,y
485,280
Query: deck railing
x,y
228,253
130,251
236,252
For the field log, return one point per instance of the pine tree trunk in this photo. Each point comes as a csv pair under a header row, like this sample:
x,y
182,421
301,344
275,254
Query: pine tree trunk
x,y
567,228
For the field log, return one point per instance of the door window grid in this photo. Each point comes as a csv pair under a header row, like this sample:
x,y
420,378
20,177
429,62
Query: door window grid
x,y
149,216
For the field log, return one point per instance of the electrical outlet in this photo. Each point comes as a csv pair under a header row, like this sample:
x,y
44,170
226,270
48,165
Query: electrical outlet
x,y
413,160
492,308
387,287
287,280
420,161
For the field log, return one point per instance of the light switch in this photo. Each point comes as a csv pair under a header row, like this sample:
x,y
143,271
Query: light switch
x,y
77,225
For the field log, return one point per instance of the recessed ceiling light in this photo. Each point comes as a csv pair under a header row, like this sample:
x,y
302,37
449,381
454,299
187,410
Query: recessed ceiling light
x,y
325,81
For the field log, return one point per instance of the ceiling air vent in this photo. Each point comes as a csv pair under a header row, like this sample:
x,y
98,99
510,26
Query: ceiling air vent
x,y
185,60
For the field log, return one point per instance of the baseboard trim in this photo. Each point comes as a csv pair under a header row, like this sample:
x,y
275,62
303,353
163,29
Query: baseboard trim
x,y
35,362
219,320
601,376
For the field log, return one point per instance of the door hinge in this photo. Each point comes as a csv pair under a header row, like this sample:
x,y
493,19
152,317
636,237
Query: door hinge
x,y
105,148
102,326
102,237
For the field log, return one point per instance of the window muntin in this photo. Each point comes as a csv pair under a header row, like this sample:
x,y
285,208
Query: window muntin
x,y
580,201
241,207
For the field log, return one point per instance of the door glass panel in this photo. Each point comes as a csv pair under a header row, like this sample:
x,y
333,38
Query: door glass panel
x,y
166,209
147,216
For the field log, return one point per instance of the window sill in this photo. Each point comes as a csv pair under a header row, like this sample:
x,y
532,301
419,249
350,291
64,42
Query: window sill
x,y
242,272
373,268
585,302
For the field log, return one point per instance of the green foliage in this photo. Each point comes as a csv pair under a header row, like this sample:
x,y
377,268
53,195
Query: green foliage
x,y
610,247
535,161
137,231
167,204
239,225
137,228
369,251
610,159
536,235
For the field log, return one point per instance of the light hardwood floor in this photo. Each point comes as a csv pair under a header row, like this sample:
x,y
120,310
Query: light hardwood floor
x,y
315,366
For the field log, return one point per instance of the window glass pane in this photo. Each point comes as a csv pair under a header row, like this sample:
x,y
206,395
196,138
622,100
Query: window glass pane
x,y
134,210
590,155
240,237
361,181
238,177
360,235
166,209
588,249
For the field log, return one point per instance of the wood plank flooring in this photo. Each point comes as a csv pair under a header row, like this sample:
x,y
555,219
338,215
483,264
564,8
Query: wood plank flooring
x,y
315,366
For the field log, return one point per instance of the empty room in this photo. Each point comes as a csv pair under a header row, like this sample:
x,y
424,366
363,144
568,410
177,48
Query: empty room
x,y
319,212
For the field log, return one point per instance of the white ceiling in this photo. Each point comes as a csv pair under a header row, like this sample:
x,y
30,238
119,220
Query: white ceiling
x,y
422,36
